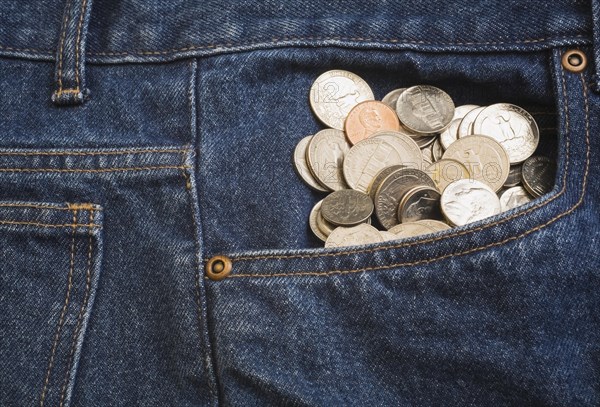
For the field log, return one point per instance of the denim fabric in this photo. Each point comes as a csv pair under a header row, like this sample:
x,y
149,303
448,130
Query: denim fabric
x,y
110,210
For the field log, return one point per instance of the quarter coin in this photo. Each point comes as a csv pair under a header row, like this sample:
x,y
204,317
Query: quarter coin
x,y
367,118
325,157
538,175
346,207
513,198
353,236
425,109
378,179
445,171
512,126
435,224
409,150
411,229
302,167
450,135
485,159
465,201
419,203
335,93
312,221
461,111
391,98
466,124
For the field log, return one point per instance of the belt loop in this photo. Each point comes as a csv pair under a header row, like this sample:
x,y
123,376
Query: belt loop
x,y
596,50
69,86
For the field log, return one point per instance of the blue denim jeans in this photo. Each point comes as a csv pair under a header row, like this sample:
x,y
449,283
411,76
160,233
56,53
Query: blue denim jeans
x,y
140,138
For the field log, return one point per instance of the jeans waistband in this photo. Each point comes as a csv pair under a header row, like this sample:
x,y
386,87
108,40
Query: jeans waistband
x,y
160,30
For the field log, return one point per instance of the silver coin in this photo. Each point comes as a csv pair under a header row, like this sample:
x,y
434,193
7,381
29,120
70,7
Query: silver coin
x,y
538,175
419,203
346,207
425,109
325,227
485,159
450,135
435,224
466,200
378,179
302,167
387,236
514,176
392,190
446,171
391,98
466,124
312,221
512,126
427,153
367,157
353,236
406,146
325,158
437,150
461,111
335,93
513,198
411,229
424,141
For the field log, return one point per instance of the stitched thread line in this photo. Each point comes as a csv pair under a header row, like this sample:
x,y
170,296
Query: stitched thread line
x,y
335,38
476,249
114,169
50,225
86,296
62,45
92,153
26,205
78,44
62,313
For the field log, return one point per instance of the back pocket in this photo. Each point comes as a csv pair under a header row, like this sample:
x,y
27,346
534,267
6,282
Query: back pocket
x,y
51,256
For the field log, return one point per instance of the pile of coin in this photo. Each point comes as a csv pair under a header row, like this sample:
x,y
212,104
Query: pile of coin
x,y
414,161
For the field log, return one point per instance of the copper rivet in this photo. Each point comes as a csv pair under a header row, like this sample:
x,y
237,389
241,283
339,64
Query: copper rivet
x,y
574,61
218,267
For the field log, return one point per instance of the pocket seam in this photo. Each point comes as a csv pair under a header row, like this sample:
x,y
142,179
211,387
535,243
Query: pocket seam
x,y
469,251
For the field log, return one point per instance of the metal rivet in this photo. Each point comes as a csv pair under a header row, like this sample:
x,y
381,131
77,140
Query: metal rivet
x,y
218,267
574,61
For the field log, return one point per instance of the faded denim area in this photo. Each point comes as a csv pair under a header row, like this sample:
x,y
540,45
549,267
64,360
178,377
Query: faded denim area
x,y
181,150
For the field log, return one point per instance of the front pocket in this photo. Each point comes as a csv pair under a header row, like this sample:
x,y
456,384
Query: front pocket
x,y
51,255
251,213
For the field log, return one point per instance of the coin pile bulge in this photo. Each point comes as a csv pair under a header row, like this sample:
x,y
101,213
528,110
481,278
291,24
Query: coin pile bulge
x,y
413,160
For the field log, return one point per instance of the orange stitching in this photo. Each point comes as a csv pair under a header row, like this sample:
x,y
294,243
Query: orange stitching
x,y
62,45
116,169
84,153
360,39
68,91
86,296
48,225
62,313
476,249
18,205
77,43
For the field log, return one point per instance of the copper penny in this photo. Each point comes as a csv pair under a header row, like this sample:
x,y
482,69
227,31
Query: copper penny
x,y
368,118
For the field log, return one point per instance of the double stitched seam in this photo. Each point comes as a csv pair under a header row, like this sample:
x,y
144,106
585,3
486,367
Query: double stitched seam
x,y
337,38
76,332
48,225
62,313
62,46
476,249
93,153
114,169
77,43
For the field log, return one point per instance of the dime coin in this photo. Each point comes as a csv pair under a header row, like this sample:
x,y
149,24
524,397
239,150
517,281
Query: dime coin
x,y
435,224
302,167
392,190
353,236
450,135
437,150
466,125
485,159
391,98
425,109
445,171
378,179
367,158
419,203
538,175
411,229
346,207
335,93
312,221
514,197
325,157
514,176
325,227
465,201
511,126
367,118
461,111
406,146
